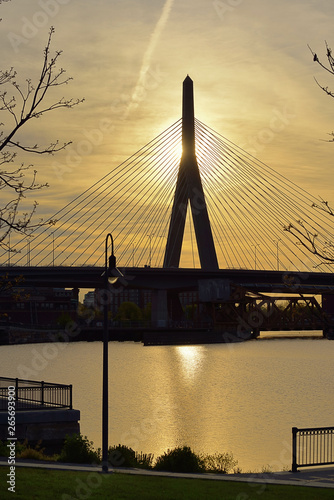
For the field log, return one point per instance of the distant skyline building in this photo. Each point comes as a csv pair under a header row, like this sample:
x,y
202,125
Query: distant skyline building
x,y
40,306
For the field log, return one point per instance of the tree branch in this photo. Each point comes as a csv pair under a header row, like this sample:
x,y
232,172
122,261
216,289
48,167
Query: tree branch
x,y
309,241
32,98
21,106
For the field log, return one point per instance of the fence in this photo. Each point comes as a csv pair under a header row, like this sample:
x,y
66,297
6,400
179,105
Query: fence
x,y
312,446
33,395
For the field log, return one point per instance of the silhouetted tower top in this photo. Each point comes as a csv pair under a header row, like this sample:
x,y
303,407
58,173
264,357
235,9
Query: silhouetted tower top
x,y
189,189
188,117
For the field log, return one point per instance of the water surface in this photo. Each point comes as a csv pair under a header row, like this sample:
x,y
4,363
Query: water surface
x,y
243,398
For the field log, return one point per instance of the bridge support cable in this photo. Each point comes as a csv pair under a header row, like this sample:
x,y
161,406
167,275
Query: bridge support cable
x,y
105,204
147,205
296,198
144,177
148,221
258,201
215,182
74,215
228,201
224,218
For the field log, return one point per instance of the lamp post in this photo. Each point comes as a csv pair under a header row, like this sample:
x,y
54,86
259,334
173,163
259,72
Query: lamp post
x,y
53,248
277,257
28,252
9,250
255,247
110,275
105,365
150,259
133,254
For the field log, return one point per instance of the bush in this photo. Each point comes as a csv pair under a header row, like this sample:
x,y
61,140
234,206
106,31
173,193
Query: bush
x,y
4,451
122,456
24,450
179,460
77,449
144,460
220,463
36,453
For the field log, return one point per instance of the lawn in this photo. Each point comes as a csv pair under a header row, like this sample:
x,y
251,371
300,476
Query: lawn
x,y
41,484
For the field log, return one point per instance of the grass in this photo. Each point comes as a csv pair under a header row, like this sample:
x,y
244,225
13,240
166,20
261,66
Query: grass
x,y
39,484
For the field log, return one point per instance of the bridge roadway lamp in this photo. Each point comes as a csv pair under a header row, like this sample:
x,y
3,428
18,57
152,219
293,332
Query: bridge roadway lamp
x,y
110,277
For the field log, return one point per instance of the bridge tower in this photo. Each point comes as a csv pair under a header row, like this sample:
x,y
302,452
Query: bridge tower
x,y
189,189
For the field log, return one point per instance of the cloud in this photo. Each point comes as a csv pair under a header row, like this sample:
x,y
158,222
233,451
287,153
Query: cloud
x,y
147,59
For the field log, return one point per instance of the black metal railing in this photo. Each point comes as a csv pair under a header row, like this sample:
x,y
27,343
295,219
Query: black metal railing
x,y
34,395
312,446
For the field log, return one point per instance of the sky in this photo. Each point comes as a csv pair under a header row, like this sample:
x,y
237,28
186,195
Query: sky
x,y
252,69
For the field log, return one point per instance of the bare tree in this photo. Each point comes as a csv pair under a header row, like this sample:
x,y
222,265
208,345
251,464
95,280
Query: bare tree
x,y
23,104
305,237
319,247
328,66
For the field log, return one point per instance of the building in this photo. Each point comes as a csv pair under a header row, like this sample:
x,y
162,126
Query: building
x,y
89,300
30,306
139,297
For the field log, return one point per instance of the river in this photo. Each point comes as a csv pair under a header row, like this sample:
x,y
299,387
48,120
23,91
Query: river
x,y
242,398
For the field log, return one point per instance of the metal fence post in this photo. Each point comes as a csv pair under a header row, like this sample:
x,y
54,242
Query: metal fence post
x,y
71,397
294,449
42,395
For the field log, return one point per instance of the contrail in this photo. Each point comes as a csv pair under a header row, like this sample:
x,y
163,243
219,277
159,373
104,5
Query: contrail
x,y
149,52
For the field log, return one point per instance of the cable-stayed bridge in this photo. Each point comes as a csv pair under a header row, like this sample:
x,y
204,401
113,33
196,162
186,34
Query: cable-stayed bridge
x,y
248,205
190,205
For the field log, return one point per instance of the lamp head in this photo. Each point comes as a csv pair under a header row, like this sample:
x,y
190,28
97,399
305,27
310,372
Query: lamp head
x,y
114,275
111,273
112,261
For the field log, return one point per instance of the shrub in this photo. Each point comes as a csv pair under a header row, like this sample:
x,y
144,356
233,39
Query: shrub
x,y
179,460
24,450
78,449
144,460
4,451
19,448
35,454
122,456
220,463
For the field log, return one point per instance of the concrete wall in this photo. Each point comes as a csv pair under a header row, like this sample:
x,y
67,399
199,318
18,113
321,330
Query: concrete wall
x,y
48,426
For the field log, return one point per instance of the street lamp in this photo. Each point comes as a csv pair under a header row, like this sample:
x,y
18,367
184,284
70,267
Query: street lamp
x,y
9,250
110,276
150,259
255,247
277,257
28,252
133,254
53,248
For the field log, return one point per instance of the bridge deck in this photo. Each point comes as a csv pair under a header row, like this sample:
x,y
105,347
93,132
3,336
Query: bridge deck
x,y
177,279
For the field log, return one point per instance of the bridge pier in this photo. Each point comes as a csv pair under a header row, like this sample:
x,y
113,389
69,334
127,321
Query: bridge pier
x,y
166,309
159,317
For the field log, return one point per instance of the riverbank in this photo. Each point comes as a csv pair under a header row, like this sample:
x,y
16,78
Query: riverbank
x,y
72,333
147,335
